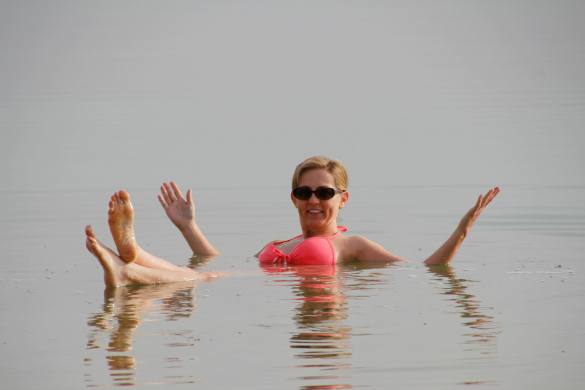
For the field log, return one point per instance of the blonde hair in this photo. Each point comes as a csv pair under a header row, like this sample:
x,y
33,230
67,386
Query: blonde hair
x,y
334,167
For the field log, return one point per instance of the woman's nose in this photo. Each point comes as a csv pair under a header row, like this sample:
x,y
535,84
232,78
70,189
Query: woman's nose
x,y
313,198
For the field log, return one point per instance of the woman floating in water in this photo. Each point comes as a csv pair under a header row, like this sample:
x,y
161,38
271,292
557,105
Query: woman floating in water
x,y
319,191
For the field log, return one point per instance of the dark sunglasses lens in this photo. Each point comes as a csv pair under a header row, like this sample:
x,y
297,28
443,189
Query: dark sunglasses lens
x,y
324,193
302,193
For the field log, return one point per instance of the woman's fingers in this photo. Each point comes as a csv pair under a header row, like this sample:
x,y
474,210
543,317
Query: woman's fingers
x,y
486,198
478,203
490,195
176,191
169,192
478,206
165,194
189,197
495,191
163,203
481,202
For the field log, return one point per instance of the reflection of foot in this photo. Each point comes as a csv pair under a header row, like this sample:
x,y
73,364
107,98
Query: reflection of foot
x,y
208,276
114,273
121,221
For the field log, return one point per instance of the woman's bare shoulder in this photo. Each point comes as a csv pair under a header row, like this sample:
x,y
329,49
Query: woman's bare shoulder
x,y
349,246
361,248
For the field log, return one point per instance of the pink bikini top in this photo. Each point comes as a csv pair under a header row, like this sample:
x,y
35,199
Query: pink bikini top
x,y
311,251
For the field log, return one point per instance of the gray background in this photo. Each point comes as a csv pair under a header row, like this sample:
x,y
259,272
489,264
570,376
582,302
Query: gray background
x,y
220,93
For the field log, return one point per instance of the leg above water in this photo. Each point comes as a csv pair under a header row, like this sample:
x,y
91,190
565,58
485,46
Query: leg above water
x,y
119,273
113,265
121,221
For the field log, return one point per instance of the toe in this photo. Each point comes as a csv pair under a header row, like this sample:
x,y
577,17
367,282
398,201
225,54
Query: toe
x,y
91,244
124,195
89,231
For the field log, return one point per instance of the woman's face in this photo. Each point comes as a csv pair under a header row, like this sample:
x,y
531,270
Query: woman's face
x,y
319,216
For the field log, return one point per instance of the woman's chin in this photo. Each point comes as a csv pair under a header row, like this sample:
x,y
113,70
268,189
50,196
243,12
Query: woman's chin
x,y
314,219
315,223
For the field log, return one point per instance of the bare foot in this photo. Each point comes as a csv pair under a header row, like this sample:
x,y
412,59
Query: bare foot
x,y
114,274
121,221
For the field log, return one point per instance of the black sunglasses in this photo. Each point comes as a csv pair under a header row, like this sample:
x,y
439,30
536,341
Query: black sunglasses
x,y
322,193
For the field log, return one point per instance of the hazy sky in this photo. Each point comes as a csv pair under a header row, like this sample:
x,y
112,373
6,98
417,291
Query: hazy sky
x,y
109,93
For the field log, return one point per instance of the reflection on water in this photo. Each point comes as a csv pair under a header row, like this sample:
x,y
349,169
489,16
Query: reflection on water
x,y
123,310
482,331
321,341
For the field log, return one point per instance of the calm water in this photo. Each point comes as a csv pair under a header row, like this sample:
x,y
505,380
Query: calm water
x,y
508,314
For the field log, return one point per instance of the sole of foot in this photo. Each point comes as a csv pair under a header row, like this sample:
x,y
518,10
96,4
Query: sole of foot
x,y
121,221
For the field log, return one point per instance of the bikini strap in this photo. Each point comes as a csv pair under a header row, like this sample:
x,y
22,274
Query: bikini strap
x,y
279,242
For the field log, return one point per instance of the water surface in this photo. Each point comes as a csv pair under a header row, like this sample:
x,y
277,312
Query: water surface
x,y
509,306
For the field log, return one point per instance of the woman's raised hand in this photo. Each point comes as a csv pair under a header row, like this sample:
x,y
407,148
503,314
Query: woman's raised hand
x,y
180,210
482,201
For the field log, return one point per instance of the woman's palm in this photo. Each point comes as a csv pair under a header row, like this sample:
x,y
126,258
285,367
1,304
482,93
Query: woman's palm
x,y
179,209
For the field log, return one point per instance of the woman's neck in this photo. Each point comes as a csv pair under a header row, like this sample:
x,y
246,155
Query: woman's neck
x,y
329,230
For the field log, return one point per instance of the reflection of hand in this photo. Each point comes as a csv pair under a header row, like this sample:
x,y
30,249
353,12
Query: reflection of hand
x,y
180,210
482,201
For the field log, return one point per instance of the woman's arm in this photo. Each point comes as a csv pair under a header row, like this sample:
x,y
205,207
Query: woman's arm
x,y
181,212
447,251
363,249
